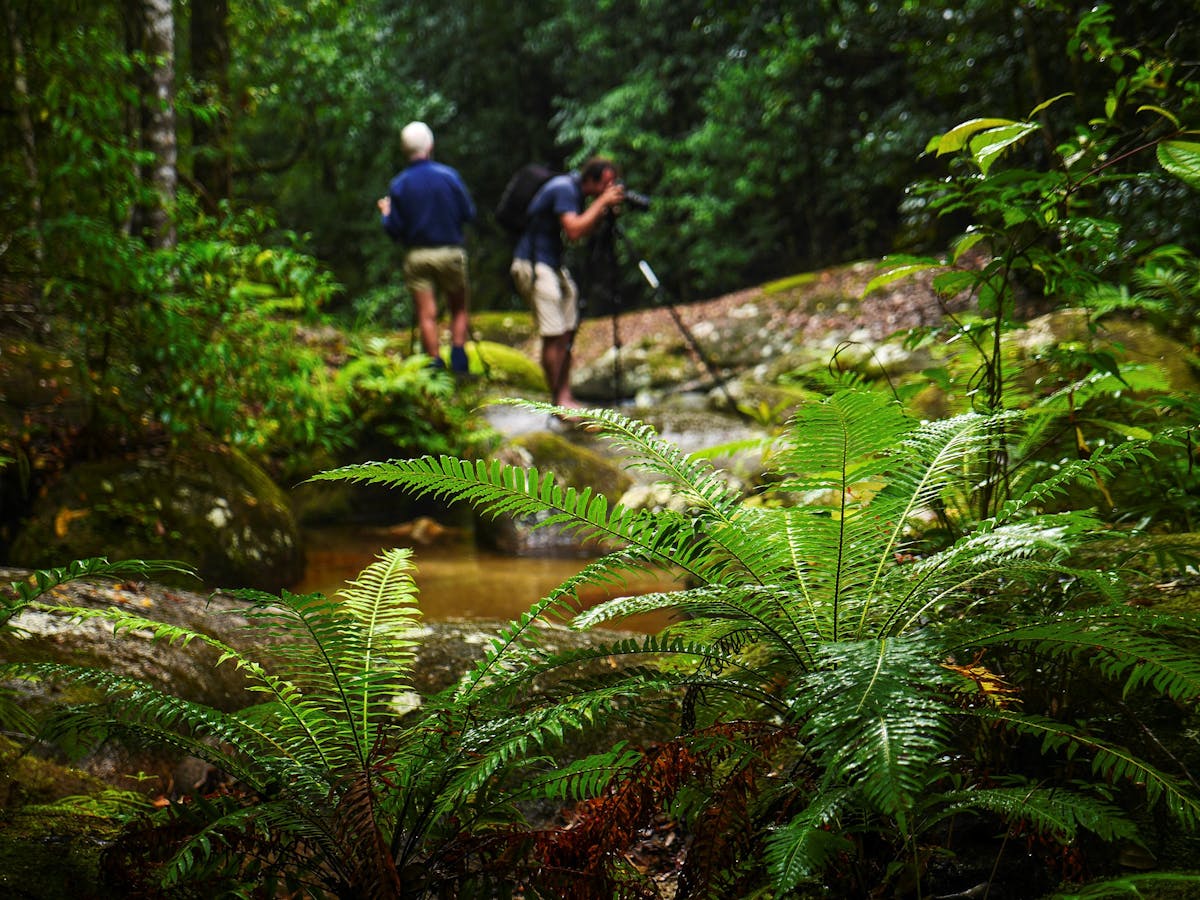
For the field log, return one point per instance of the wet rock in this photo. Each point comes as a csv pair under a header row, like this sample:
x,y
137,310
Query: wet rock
x,y
620,374
206,505
446,651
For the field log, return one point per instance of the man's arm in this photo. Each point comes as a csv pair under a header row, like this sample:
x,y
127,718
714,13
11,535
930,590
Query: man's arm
x,y
577,225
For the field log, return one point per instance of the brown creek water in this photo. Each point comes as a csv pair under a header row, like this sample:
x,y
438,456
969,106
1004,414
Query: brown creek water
x,y
457,580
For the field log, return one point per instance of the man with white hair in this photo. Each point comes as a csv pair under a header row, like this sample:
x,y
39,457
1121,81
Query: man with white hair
x,y
425,210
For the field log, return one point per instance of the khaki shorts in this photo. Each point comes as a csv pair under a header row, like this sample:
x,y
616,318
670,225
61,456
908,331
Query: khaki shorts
x,y
444,268
551,293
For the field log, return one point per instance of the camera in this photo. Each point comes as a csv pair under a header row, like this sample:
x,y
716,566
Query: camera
x,y
635,200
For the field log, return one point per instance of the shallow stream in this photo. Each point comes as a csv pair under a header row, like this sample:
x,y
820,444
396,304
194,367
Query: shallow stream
x,y
457,580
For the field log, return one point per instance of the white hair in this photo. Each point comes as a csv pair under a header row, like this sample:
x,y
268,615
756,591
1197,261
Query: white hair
x,y
416,139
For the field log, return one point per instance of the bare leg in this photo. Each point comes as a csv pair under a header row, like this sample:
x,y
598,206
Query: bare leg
x,y
556,363
425,308
460,328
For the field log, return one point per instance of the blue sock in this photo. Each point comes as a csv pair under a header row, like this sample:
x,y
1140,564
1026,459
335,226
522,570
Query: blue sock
x,y
458,359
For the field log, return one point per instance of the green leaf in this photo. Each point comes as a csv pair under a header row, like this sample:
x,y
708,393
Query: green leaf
x,y
956,138
1047,103
1166,114
987,146
964,243
1181,159
896,274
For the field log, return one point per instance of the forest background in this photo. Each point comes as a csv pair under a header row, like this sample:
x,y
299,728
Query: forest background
x,y
185,183
190,253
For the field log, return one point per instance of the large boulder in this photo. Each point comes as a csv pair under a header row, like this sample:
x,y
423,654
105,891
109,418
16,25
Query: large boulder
x,y
207,505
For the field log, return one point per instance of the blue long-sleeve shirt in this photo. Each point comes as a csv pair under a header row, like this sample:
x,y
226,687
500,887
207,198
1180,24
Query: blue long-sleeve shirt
x,y
430,206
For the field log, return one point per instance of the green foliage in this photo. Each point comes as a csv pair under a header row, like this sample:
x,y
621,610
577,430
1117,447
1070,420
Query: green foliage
x,y
216,333
21,594
342,784
395,404
890,666
1068,228
1165,884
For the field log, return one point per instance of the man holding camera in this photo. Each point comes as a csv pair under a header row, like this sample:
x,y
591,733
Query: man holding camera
x,y
558,210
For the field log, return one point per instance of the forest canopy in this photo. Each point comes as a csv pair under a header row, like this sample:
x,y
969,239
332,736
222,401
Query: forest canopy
x,y
773,137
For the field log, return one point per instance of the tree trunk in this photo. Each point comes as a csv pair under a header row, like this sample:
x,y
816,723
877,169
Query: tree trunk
x,y
28,136
212,163
153,34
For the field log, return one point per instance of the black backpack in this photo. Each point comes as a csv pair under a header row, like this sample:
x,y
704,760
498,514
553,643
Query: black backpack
x,y
512,212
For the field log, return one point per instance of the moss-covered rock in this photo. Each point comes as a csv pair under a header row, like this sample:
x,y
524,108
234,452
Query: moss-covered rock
x,y
510,327
1132,343
52,855
574,466
26,779
504,365
207,505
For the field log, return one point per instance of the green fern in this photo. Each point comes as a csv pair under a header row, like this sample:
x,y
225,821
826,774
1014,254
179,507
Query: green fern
x,y
335,790
21,594
827,613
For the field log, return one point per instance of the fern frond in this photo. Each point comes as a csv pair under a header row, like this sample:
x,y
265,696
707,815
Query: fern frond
x,y
1136,886
1105,462
871,717
1110,761
839,442
382,601
931,460
694,478
42,581
143,715
497,489
989,563
1140,647
806,845
623,607
582,779
1057,814
766,611
496,746
303,720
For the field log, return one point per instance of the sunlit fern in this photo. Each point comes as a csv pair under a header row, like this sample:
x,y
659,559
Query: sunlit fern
x,y
827,612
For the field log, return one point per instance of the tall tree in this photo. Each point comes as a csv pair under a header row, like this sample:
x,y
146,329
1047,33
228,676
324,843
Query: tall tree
x,y
151,26
28,137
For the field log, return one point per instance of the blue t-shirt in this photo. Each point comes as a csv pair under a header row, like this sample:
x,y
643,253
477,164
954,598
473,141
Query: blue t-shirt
x,y
430,205
542,238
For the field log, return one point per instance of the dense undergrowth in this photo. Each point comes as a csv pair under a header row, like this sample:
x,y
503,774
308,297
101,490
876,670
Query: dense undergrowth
x,y
919,657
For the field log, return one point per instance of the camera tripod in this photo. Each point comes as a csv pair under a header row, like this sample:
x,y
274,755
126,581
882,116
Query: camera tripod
x,y
603,257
